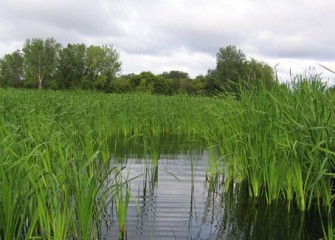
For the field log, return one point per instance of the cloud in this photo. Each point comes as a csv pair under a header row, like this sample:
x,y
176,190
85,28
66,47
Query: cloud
x,y
180,34
179,59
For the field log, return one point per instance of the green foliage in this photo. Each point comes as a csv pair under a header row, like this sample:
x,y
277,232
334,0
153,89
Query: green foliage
x,y
44,63
55,148
235,74
102,65
229,66
150,83
40,60
122,196
175,75
259,74
11,69
71,66
280,141
120,85
199,85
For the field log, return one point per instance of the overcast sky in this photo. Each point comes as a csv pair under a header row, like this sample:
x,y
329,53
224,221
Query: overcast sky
x,y
185,35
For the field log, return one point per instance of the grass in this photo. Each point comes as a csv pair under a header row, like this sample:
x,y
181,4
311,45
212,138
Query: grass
x,y
56,147
49,189
122,196
55,151
281,142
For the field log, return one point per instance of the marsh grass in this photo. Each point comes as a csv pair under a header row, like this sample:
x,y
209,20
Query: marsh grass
x,y
47,192
122,196
281,142
55,151
56,147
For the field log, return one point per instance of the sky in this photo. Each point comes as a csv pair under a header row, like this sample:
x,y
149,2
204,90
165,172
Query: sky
x,y
185,35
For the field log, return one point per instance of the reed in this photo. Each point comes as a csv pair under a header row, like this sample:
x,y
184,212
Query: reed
x,y
56,147
55,152
280,141
122,196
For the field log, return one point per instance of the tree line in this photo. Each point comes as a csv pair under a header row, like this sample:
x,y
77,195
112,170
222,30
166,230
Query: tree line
x,y
44,63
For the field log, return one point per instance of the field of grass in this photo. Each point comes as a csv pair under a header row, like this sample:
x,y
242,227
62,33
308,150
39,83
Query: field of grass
x,y
55,149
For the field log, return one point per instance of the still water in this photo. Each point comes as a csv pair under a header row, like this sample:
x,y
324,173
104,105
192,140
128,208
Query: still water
x,y
176,199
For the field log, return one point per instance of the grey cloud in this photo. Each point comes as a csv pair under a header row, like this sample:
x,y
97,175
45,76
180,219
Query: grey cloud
x,y
154,30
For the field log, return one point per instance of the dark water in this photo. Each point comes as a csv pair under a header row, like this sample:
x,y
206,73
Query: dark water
x,y
177,200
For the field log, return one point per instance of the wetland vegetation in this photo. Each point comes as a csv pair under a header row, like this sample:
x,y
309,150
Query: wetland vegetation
x,y
59,149
66,153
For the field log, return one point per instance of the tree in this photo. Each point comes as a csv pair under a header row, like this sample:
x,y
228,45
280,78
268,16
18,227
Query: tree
x,y
229,70
71,66
213,85
175,75
234,73
260,74
150,83
179,81
199,84
102,64
11,69
40,60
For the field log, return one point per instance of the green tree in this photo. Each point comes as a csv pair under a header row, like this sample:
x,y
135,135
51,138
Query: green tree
x,y
40,60
11,69
150,83
259,74
230,66
103,65
234,73
122,84
199,85
213,85
71,65
179,81
175,75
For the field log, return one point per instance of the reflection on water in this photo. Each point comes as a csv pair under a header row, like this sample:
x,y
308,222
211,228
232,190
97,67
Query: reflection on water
x,y
175,200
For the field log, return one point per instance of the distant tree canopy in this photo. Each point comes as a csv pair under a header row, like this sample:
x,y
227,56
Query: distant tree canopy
x,y
230,64
40,60
234,72
72,66
175,75
11,69
44,63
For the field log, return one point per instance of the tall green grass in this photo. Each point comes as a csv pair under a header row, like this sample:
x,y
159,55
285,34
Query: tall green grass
x,y
56,147
55,153
51,187
281,142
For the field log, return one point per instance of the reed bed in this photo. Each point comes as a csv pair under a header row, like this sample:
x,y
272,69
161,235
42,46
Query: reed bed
x,y
281,143
52,184
56,178
56,174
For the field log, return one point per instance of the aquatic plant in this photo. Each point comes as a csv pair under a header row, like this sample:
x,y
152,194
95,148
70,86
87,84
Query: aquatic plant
x,y
56,147
122,195
281,142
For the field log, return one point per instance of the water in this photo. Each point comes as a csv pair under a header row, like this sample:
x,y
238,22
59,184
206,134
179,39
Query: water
x,y
177,200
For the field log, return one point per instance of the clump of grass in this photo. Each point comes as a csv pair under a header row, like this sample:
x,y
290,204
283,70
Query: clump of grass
x,y
280,141
122,196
